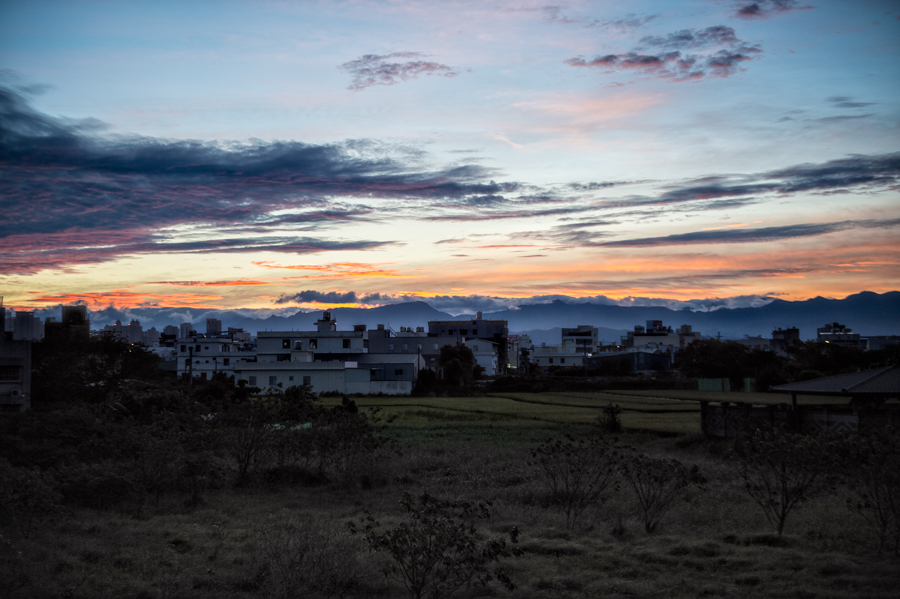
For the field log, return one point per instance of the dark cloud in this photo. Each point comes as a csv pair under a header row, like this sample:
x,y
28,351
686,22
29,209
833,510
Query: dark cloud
x,y
714,193
763,9
687,39
374,69
846,102
758,235
671,63
72,190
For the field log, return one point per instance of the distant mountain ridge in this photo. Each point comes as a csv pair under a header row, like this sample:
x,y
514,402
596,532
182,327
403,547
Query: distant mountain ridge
x,y
866,313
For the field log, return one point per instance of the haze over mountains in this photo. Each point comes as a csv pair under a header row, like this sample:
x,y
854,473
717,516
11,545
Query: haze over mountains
x,y
866,313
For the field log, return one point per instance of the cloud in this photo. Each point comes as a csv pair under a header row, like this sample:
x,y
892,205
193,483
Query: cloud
x,y
759,235
671,63
846,102
374,69
718,35
763,9
84,199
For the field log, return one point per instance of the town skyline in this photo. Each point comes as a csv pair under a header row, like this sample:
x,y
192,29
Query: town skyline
x,y
477,156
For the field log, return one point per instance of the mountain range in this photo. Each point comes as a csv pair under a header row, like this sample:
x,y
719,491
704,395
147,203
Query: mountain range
x,y
866,313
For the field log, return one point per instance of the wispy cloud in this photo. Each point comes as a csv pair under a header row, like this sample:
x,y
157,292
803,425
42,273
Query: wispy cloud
x,y
382,69
764,9
757,235
670,63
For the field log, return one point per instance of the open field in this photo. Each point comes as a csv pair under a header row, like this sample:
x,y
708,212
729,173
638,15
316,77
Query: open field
x,y
264,539
675,412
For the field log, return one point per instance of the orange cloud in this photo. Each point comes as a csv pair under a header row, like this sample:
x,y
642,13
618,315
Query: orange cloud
x,y
100,300
234,283
338,270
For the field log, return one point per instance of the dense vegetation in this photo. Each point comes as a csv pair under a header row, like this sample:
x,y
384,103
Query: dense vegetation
x,y
129,484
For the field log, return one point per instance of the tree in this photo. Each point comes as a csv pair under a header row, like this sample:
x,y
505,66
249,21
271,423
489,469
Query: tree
x,y
458,365
781,471
658,484
578,473
437,550
870,467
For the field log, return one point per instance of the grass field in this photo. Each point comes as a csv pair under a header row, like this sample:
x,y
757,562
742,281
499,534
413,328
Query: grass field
x,y
672,412
239,542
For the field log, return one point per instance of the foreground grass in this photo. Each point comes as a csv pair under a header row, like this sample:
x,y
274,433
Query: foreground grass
x,y
715,544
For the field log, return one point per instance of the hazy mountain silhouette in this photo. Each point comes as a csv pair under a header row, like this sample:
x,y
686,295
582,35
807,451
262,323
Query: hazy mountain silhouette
x,y
866,313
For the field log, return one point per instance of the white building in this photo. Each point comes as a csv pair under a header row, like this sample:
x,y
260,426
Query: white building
x,y
203,357
369,374
486,354
326,342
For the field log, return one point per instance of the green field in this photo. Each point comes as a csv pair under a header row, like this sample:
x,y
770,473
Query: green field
x,y
669,412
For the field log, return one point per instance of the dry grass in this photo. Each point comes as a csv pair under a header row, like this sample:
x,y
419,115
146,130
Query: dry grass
x,y
717,543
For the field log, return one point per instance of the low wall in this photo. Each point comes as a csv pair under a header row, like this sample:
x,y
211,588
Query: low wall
x,y
736,419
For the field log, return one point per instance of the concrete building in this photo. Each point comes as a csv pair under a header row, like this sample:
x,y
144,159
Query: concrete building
x,y
203,357
325,343
73,327
545,356
784,338
369,374
478,328
837,334
26,327
15,370
657,336
213,326
583,339
487,355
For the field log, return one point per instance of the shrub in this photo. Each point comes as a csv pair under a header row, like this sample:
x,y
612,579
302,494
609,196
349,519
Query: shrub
x,y
300,556
658,484
781,471
870,466
437,550
578,473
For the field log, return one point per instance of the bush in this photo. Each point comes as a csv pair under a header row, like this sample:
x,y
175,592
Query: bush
x,y
781,471
870,467
579,473
658,484
299,557
437,551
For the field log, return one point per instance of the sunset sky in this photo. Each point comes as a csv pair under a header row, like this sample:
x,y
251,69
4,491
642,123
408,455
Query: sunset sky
x,y
274,155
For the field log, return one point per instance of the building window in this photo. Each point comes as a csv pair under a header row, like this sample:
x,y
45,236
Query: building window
x,y
197,348
183,348
313,344
10,373
474,348
205,347
273,380
390,347
562,360
405,347
226,361
551,361
435,346
298,345
291,378
307,380
285,344
464,331
398,372
252,381
346,344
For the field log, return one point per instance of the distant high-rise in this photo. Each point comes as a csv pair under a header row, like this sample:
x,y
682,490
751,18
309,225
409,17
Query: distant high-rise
x,y
213,326
185,330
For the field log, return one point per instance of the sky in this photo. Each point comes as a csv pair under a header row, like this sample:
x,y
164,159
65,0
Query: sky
x,y
475,155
